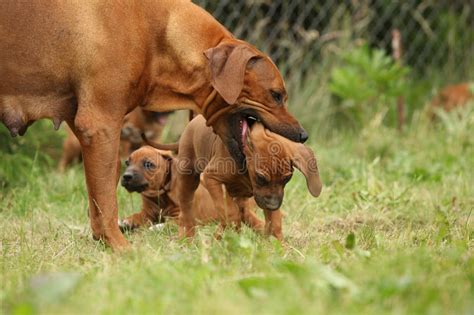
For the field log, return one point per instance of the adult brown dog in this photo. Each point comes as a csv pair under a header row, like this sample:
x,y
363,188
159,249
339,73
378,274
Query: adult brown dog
x,y
135,123
89,63
153,174
269,166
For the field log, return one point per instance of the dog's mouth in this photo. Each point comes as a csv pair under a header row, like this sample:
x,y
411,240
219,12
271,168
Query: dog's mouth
x,y
134,187
240,124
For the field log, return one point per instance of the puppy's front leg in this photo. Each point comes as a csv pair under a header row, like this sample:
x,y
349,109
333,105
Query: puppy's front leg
x,y
248,214
187,185
273,224
227,209
150,214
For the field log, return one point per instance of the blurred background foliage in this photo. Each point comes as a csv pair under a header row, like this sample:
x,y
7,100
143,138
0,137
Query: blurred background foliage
x,y
336,55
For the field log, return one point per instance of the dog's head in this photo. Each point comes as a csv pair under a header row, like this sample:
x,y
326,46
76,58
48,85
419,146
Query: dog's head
x,y
252,88
147,170
270,161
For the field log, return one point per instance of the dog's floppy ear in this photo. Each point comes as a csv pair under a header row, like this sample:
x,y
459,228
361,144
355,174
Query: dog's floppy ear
x,y
227,63
304,160
168,155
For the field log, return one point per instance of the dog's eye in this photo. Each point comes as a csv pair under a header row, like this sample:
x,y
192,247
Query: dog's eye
x,y
261,180
277,96
127,162
148,165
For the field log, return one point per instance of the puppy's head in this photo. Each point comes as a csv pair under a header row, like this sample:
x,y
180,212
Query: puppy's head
x,y
253,89
147,170
270,161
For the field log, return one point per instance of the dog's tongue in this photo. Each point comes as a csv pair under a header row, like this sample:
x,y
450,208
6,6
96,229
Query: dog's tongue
x,y
162,119
245,129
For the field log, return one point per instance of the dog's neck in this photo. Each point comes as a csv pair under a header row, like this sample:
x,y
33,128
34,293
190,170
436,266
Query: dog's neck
x,y
183,81
166,198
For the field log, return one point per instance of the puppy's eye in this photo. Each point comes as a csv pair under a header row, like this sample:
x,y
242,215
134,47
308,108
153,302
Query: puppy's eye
x,y
277,96
127,162
261,180
148,165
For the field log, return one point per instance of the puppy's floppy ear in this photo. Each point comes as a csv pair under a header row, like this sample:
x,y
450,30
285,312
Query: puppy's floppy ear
x,y
168,155
304,160
227,63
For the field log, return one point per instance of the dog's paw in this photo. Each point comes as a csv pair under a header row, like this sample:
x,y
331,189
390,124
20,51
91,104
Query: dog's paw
x,y
157,227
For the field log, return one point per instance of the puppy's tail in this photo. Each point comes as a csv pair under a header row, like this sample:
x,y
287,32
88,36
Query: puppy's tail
x,y
161,146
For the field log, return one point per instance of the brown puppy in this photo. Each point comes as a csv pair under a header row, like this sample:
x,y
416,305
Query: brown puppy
x,y
89,63
152,173
269,166
135,123
453,96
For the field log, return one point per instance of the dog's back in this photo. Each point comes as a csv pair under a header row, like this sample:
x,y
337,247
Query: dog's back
x,y
198,141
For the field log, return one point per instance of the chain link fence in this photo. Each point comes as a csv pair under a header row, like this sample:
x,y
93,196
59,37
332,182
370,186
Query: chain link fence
x,y
299,34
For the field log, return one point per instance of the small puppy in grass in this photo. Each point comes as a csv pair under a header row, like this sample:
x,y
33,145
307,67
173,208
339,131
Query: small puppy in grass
x,y
270,159
152,173
135,123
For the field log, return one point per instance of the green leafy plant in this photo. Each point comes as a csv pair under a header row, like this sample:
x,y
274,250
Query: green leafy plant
x,y
367,83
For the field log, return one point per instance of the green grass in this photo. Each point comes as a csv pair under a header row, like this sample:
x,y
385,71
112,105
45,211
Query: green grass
x,y
391,233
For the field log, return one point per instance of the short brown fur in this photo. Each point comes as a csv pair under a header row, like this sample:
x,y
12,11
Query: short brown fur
x,y
89,63
135,124
160,195
453,96
267,154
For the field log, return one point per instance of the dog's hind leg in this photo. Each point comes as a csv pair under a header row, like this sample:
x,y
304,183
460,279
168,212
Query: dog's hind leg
x,y
71,151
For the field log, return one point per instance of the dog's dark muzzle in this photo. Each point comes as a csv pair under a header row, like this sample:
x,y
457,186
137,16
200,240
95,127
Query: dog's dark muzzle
x,y
134,181
271,203
278,120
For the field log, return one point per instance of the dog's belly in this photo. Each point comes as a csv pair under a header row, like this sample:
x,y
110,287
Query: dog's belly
x,y
36,63
17,112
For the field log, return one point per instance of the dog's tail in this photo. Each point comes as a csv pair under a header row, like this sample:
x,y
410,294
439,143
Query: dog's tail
x,y
161,146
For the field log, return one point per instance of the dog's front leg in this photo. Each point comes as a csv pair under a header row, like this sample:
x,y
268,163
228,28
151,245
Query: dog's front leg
x,y
97,127
149,214
273,224
187,185
227,208
249,216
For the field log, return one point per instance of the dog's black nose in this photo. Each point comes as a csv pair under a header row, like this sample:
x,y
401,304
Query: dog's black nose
x,y
127,177
303,136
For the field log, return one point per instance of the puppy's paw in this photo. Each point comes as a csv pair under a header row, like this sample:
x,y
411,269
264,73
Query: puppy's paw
x,y
124,225
157,227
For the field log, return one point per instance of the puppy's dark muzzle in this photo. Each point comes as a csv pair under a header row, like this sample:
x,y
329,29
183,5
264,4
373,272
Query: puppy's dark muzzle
x,y
133,182
271,203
